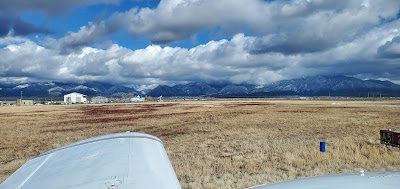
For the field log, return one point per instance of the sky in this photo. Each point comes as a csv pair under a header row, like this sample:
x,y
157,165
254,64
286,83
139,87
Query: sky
x,y
145,43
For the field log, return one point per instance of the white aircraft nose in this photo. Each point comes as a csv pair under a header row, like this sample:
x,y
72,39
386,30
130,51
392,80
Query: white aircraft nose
x,y
115,161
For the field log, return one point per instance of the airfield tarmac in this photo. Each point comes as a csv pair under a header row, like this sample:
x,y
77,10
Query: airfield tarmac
x,y
220,144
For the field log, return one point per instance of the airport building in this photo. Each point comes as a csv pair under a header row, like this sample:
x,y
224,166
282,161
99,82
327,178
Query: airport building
x,y
7,103
99,100
137,99
21,102
73,98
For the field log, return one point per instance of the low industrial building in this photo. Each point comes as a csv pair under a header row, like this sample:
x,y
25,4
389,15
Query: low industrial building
x,y
137,99
22,102
73,98
7,103
99,100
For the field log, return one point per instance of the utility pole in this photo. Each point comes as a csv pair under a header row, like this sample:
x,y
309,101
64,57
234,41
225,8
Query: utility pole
x,y
20,100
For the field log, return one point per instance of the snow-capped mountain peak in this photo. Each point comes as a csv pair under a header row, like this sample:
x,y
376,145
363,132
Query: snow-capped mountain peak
x,y
23,86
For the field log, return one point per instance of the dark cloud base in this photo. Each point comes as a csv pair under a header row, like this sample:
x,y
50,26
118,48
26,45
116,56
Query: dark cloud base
x,y
18,27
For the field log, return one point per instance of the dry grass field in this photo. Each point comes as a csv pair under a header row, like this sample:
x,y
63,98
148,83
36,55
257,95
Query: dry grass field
x,y
220,144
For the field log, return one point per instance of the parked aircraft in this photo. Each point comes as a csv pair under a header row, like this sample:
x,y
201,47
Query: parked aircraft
x,y
139,161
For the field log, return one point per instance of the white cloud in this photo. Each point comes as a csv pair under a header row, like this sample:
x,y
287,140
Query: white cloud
x,y
290,27
391,49
298,20
75,41
228,60
288,39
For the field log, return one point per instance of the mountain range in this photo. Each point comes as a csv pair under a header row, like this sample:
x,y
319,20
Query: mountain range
x,y
57,89
307,86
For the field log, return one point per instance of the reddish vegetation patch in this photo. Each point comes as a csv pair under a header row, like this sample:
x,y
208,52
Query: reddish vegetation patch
x,y
107,110
317,109
366,111
166,133
296,111
13,115
121,119
336,107
248,104
175,132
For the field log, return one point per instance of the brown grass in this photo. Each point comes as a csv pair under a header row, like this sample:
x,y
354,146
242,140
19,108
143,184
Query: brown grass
x,y
230,144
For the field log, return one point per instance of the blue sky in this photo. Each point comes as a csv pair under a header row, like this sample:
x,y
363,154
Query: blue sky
x,y
81,15
60,25
146,43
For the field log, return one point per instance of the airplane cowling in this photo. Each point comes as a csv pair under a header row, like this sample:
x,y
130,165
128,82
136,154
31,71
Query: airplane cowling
x,y
115,161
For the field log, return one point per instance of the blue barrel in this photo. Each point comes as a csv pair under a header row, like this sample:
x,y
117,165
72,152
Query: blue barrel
x,y
322,145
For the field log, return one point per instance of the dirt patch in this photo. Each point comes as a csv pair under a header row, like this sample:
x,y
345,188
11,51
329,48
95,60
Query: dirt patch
x,y
110,110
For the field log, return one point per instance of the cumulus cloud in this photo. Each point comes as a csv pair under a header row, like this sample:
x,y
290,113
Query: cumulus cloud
x,y
391,49
223,60
289,27
86,36
15,26
285,39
